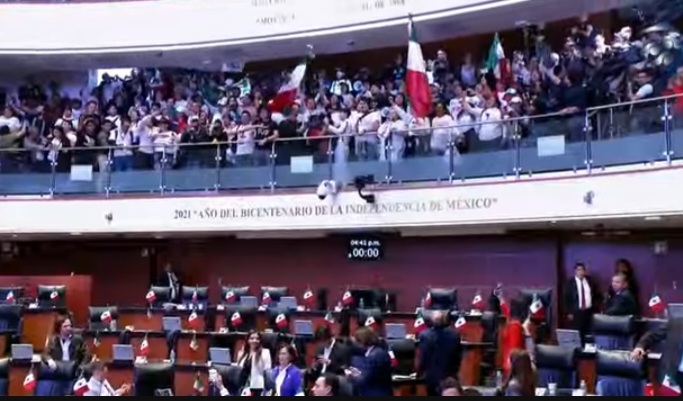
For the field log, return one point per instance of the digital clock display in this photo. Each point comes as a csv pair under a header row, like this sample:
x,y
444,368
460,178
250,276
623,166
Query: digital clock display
x,y
365,248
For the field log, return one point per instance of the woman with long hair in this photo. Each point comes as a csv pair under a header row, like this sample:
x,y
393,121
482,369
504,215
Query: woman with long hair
x,y
255,361
522,379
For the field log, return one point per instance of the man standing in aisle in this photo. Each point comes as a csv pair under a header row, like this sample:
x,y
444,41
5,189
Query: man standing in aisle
x,y
169,279
581,299
440,353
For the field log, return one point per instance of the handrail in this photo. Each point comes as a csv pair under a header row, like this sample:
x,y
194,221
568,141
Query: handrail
x,y
633,102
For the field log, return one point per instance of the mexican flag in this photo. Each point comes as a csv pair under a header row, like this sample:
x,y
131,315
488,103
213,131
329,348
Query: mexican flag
x,y
198,385
656,304
669,388
288,92
80,387
417,84
496,61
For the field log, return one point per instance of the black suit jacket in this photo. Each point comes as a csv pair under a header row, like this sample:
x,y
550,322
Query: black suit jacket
x,y
571,295
164,281
621,304
340,359
440,355
78,350
672,333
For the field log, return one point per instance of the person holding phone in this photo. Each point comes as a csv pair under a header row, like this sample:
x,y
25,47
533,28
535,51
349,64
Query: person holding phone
x,y
98,386
255,361
216,386
332,355
370,370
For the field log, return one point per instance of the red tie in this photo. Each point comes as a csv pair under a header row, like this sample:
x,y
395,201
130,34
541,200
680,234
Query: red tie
x,y
582,296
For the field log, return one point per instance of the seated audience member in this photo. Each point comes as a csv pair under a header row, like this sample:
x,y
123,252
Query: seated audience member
x,y
65,346
326,385
255,362
287,378
370,370
98,384
217,388
331,355
522,379
440,353
622,302
450,387
623,266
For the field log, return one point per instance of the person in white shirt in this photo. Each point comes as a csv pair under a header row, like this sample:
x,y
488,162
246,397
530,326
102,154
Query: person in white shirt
x,y
244,136
8,119
366,139
142,131
122,138
98,385
444,132
392,134
165,142
255,361
491,129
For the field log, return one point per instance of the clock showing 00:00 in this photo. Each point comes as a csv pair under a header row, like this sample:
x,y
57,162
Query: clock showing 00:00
x,y
365,248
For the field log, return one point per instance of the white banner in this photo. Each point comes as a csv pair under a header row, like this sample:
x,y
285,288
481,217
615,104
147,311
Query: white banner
x,y
602,196
159,23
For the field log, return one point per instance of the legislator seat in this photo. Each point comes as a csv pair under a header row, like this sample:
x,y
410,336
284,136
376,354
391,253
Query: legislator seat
x,y
555,364
619,375
614,333
55,382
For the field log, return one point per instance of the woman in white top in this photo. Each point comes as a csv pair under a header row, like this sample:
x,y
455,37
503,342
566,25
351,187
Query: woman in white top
x,y
165,143
443,131
491,128
392,134
98,386
255,362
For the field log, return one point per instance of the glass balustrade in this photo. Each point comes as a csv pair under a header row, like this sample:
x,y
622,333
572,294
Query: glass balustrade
x,y
630,133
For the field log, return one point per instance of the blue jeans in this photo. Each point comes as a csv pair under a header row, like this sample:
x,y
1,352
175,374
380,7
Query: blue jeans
x,y
123,163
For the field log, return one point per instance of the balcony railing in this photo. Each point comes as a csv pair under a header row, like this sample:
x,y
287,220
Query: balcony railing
x,y
630,133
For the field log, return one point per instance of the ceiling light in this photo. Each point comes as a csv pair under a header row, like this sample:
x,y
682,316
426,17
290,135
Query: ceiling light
x,y
653,218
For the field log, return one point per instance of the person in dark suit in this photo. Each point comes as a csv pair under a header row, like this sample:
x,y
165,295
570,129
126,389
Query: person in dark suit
x,y
326,385
65,345
622,303
440,353
170,279
370,370
581,300
331,355
671,363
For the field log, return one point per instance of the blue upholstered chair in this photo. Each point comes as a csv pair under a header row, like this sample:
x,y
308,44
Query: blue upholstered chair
x,y
555,364
619,375
10,318
195,297
56,382
614,333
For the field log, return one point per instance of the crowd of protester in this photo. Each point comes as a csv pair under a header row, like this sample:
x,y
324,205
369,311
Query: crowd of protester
x,y
179,118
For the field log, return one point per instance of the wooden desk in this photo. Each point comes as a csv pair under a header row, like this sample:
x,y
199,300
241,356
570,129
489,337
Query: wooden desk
x,y
120,374
185,354
17,373
470,366
141,319
184,319
100,344
38,326
409,387
158,346
185,377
